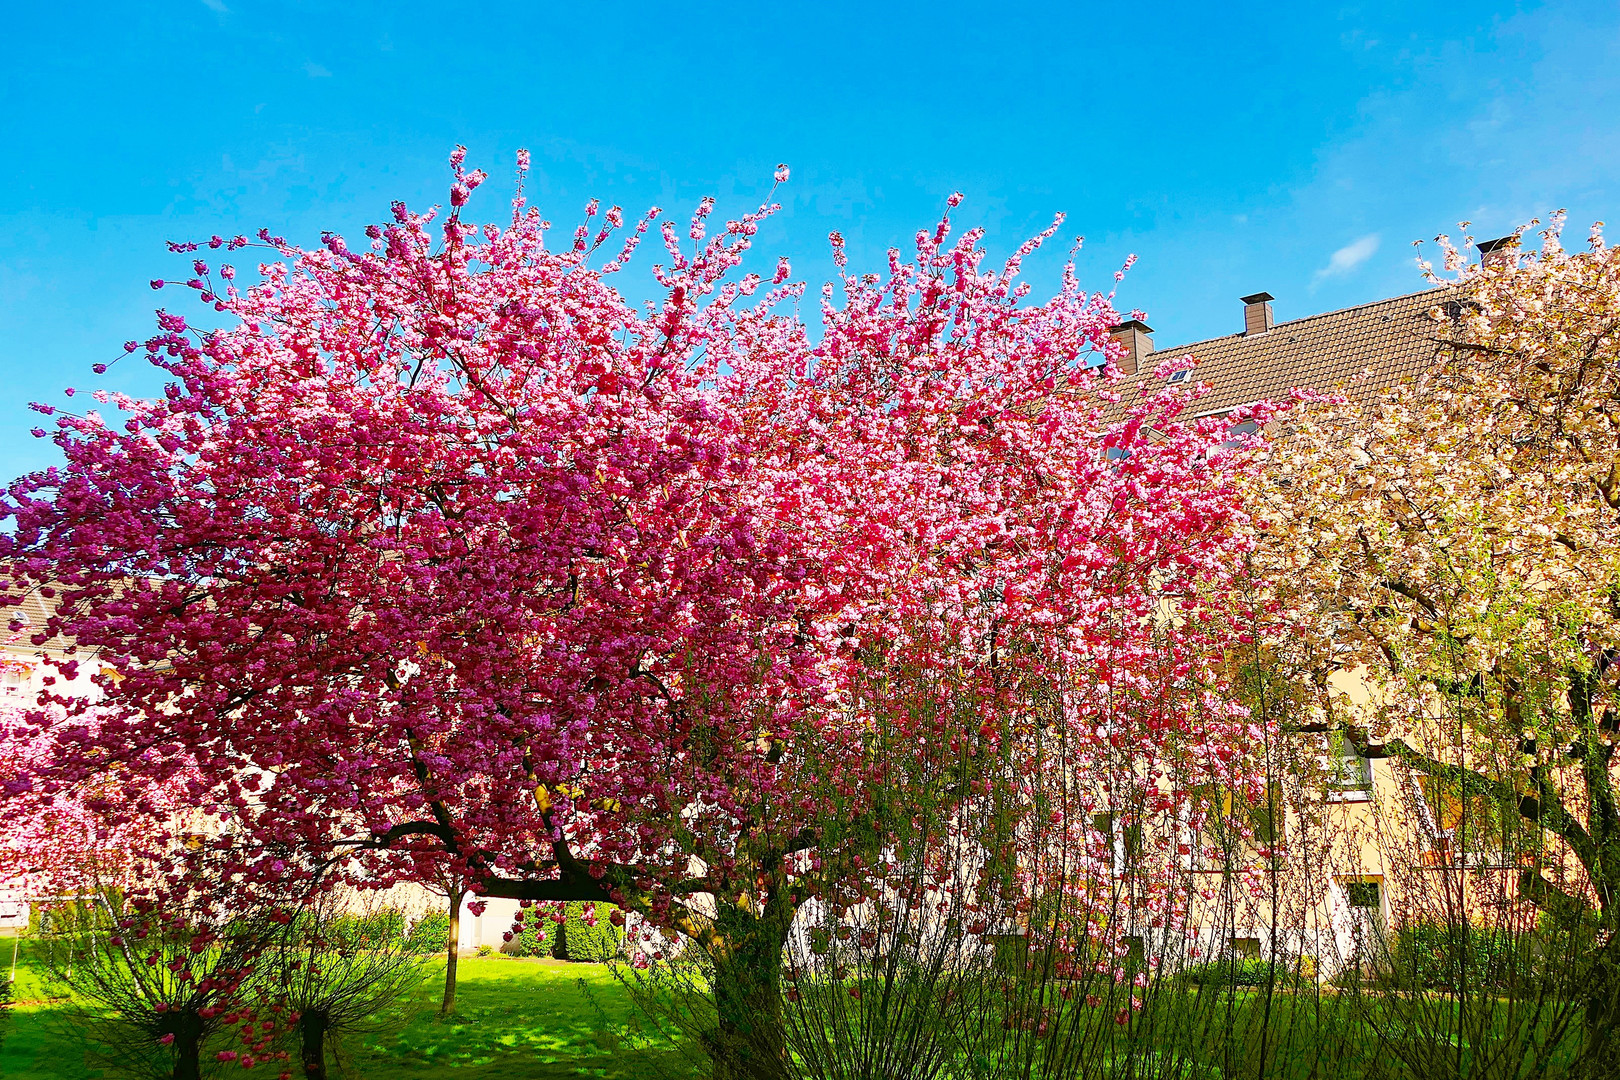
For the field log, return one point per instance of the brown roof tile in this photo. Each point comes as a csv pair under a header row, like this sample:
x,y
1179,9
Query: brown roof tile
x,y
1393,338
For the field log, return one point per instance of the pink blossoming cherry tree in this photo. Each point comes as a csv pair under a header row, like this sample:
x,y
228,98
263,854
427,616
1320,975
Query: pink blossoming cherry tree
x,y
442,556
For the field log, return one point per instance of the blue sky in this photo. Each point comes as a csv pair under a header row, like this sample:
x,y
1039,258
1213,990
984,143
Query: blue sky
x,y
1297,148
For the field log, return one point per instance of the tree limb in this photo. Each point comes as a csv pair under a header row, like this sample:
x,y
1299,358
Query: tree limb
x,y
1546,810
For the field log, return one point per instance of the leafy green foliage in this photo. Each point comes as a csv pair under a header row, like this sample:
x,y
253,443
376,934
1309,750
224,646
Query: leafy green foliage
x,y
577,940
536,939
1246,972
1436,956
431,934
372,929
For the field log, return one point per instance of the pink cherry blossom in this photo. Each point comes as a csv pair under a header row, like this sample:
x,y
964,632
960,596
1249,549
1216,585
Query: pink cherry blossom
x,y
445,556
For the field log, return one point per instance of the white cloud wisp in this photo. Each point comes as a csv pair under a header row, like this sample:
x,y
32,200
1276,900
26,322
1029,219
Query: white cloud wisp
x,y
1348,258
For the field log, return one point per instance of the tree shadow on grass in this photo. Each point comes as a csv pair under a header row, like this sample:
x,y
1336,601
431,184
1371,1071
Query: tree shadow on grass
x,y
515,1019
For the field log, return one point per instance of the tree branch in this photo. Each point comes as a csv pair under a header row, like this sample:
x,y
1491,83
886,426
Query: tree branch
x,y
1546,810
386,839
1544,894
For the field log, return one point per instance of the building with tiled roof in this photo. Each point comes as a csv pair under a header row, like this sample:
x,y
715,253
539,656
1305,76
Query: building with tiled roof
x,y
1358,350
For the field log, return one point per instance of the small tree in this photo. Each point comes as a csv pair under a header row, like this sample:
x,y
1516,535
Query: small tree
x,y
333,974
155,987
454,893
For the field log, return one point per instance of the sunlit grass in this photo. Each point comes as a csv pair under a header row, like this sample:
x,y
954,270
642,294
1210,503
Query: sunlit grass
x,y
514,1019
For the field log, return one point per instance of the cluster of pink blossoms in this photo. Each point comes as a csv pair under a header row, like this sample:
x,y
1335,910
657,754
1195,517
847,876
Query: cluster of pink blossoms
x,y
64,838
444,553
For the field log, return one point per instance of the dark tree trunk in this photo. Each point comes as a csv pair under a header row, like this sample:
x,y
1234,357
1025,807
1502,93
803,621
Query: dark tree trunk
x,y
312,1029
187,1029
452,951
749,1042
1602,1012
187,1060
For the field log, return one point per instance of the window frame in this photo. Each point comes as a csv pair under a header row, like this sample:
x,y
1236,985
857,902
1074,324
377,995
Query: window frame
x,y
1339,759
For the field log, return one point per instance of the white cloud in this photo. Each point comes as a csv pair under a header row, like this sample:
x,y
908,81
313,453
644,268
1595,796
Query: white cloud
x,y
1349,257
216,5
316,71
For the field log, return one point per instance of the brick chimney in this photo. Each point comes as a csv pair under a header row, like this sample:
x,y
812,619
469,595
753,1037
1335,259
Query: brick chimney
x,y
1257,313
1137,337
1503,249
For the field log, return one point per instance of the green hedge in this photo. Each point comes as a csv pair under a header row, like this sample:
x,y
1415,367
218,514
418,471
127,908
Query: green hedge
x,y
377,928
534,941
1245,972
1434,956
431,934
578,941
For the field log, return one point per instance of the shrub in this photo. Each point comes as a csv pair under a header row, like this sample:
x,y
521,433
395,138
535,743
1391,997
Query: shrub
x,y
382,927
577,940
1247,972
431,934
339,975
155,992
533,940
486,950
1435,955
374,929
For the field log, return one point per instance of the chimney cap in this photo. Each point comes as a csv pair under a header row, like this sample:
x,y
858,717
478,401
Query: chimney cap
x,y
1131,324
1485,247
1257,298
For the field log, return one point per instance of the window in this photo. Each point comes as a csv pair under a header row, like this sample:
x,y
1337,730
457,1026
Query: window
x,y
1265,820
1473,826
1214,844
1135,954
15,678
1362,894
1349,775
1355,772
1126,843
1238,434
1457,310
1178,376
1244,948
1232,828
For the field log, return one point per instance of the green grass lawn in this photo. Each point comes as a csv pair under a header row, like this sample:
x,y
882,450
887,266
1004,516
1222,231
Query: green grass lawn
x,y
551,1019
514,1019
